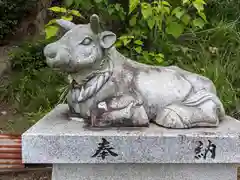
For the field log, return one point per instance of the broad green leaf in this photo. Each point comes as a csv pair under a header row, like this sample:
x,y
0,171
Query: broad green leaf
x,y
203,16
97,1
67,18
125,37
175,29
53,21
151,23
145,55
186,1
186,19
58,9
118,44
159,59
167,10
198,23
199,5
51,31
170,19
138,49
133,20
126,42
160,55
68,2
117,6
75,13
138,42
178,12
166,3
152,54
133,4
146,10
111,11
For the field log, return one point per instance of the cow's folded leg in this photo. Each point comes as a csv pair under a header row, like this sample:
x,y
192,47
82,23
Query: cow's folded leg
x,y
182,116
131,115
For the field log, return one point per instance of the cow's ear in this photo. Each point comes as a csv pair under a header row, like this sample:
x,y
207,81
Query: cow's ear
x,y
66,25
107,39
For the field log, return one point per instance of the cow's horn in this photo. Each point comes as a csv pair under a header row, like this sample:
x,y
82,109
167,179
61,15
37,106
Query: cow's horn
x,y
94,23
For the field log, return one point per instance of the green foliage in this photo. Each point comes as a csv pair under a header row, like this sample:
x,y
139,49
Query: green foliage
x,y
32,87
28,56
51,28
186,33
155,21
214,53
11,13
227,10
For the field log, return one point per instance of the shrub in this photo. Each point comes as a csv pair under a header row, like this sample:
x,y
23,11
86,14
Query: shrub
x,y
32,86
11,13
214,53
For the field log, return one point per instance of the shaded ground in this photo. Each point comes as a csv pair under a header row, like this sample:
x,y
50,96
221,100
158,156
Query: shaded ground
x,y
11,121
38,175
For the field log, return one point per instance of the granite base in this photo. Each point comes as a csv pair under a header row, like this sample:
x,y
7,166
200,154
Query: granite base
x,y
152,153
144,172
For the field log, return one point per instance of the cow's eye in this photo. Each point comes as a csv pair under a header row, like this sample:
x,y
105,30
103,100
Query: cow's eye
x,y
86,41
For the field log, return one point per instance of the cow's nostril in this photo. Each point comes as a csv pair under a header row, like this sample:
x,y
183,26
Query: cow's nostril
x,y
51,54
50,51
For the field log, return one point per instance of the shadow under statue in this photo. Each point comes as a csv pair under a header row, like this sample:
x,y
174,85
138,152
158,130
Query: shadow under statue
x,y
110,90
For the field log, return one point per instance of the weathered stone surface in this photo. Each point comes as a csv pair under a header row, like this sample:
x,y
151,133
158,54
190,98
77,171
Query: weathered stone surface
x,y
55,139
109,89
144,172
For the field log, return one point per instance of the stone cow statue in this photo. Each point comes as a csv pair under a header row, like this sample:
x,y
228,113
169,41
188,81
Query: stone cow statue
x,y
109,89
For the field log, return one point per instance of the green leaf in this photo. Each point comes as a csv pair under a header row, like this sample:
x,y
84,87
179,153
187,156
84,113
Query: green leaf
x,y
117,7
67,18
126,42
133,20
178,12
75,13
152,54
145,55
118,44
138,42
138,49
203,16
111,10
186,2
53,21
166,3
198,23
151,23
146,10
199,5
58,9
170,19
51,31
186,19
125,37
167,10
68,3
160,55
133,4
175,29
159,60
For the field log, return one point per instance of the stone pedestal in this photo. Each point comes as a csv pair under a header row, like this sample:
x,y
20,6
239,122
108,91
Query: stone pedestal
x,y
152,153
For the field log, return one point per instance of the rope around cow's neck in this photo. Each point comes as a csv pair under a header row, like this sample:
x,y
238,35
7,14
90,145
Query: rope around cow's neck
x,y
101,77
